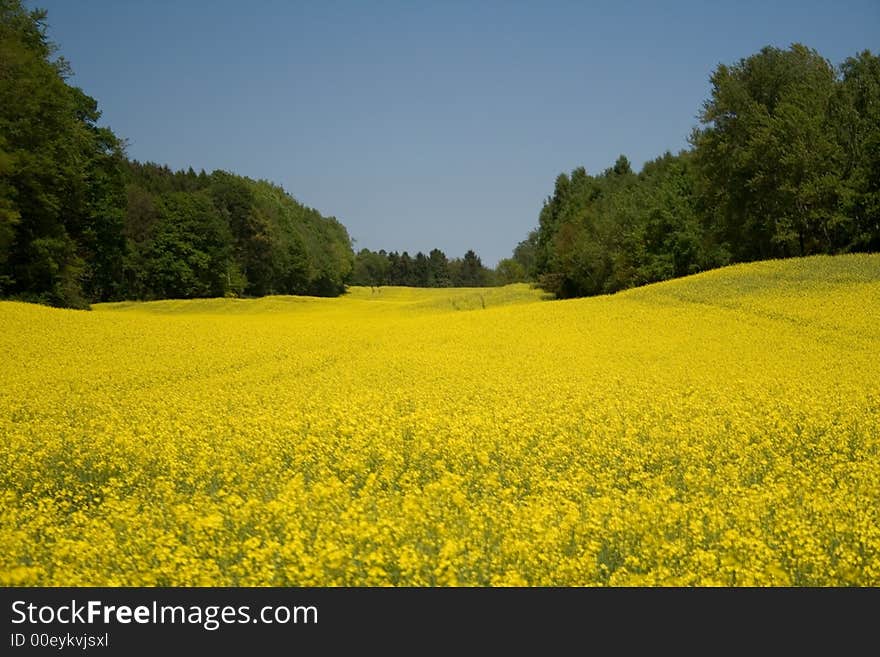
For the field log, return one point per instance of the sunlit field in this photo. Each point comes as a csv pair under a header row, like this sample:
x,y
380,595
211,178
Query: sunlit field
x,y
722,430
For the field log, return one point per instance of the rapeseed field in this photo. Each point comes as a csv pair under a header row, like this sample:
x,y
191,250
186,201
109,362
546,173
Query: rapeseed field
x,y
718,430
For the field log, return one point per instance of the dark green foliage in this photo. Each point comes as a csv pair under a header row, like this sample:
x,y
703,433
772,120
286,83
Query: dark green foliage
x,y
786,153
197,235
438,269
60,187
370,268
525,255
769,154
509,270
79,223
469,271
376,268
856,112
190,252
309,253
786,163
234,200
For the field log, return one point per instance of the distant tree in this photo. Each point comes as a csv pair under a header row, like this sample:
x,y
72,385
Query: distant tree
x,y
549,221
251,248
666,236
94,206
292,270
291,248
9,216
406,269
421,271
370,268
622,166
470,272
509,271
396,272
619,229
438,269
382,268
524,254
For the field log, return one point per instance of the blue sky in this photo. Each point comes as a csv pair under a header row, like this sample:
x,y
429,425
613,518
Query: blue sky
x,y
422,124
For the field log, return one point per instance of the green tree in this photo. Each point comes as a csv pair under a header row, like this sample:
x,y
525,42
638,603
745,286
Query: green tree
x,y
856,117
768,153
191,254
9,216
60,185
622,166
438,269
470,271
509,270
524,254
370,268
421,271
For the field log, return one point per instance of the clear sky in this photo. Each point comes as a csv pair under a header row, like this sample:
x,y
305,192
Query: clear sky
x,y
422,124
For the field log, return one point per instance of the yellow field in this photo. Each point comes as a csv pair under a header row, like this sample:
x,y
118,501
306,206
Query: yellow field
x,y
718,430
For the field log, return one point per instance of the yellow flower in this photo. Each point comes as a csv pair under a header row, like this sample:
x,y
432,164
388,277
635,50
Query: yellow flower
x,y
717,430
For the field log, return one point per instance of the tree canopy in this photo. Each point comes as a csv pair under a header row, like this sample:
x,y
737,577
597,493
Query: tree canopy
x,y
376,268
785,162
81,223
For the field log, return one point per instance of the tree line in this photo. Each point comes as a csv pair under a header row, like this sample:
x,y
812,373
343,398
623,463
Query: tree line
x,y
200,235
81,223
784,162
376,268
